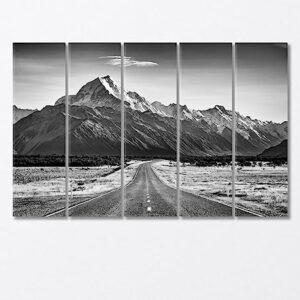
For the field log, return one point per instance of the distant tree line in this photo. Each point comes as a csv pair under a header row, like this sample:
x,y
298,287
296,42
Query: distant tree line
x,y
149,157
38,160
94,160
59,160
207,160
98,160
248,161
227,160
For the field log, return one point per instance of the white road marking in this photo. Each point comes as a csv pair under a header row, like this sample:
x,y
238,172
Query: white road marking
x,y
147,187
149,209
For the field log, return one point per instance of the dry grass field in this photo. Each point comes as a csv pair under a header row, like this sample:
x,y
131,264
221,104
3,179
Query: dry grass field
x,y
261,189
38,191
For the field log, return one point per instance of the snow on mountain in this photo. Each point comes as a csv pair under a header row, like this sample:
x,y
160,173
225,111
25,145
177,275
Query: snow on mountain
x,y
111,87
98,92
165,110
138,102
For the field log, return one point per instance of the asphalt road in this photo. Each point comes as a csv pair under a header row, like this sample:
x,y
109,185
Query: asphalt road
x,y
147,196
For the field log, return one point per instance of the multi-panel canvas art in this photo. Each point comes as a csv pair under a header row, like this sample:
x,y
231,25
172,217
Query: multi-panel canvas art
x,y
150,130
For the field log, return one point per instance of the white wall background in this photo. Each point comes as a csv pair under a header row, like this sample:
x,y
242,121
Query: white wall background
x,y
175,259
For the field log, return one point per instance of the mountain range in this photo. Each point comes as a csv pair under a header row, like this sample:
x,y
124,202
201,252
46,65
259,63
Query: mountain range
x,y
150,128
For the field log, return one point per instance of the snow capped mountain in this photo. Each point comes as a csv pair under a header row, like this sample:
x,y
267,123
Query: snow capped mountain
x,y
150,127
98,92
104,92
252,135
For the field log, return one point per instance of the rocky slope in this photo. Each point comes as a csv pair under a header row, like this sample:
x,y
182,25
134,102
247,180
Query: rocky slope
x,y
42,132
280,150
19,113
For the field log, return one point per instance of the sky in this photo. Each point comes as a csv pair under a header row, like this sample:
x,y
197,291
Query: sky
x,y
39,70
150,70
206,75
154,74
262,81
39,74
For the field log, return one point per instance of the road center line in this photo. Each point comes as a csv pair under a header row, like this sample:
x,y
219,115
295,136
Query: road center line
x,y
147,187
149,209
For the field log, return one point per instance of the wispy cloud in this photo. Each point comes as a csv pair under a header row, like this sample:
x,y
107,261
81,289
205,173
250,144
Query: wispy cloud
x,y
128,61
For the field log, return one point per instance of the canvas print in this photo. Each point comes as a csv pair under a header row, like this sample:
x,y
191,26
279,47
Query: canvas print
x,y
38,129
150,130
206,130
94,130
261,185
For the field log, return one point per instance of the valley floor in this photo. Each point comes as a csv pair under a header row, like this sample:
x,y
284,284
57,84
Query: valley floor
x,y
38,191
88,182
262,189
259,189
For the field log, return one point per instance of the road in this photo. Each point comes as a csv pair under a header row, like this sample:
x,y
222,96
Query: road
x,y
147,196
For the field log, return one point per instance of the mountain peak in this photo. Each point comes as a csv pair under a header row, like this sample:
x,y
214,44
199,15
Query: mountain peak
x,y
220,107
110,86
91,85
156,103
96,80
107,77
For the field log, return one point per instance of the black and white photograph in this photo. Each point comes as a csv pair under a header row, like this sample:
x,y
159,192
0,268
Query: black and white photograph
x,y
164,86
206,130
262,128
150,130
95,129
39,178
